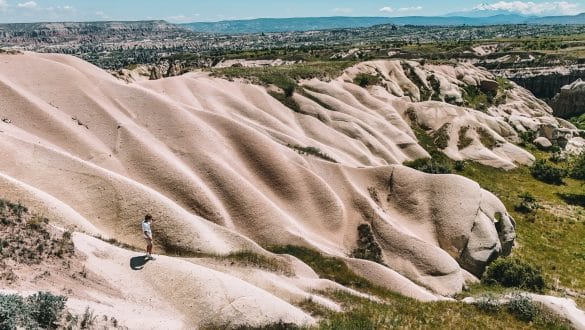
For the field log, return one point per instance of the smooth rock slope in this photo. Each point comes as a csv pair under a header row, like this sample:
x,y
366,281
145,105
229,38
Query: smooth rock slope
x,y
217,165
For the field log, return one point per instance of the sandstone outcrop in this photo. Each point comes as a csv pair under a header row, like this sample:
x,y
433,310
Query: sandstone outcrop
x,y
570,102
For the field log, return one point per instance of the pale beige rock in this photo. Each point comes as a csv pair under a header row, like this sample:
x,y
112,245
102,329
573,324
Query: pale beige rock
x,y
212,161
542,142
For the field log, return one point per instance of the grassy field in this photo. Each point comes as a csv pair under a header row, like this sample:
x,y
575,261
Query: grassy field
x,y
396,311
553,237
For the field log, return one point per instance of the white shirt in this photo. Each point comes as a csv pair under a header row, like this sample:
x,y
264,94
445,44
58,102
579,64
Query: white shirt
x,y
146,228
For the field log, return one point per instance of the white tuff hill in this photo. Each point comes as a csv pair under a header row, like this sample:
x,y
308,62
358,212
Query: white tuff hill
x,y
214,162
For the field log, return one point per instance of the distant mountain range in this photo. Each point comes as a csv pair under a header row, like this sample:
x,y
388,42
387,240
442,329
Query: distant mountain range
x,y
324,23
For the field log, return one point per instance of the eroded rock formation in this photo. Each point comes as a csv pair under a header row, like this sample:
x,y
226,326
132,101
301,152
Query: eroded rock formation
x,y
225,167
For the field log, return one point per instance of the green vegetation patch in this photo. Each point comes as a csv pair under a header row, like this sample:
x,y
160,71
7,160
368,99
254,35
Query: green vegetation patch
x,y
486,138
441,136
312,151
551,237
514,273
546,172
439,163
367,247
257,260
365,80
474,98
26,238
578,167
430,165
330,268
286,76
579,121
528,203
504,84
464,140
39,311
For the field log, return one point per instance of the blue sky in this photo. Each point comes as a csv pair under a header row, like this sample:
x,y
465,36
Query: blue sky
x,y
214,10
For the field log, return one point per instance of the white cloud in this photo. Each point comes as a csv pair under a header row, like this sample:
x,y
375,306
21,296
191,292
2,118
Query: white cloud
x,y
532,8
28,5
100,14
387,10
3,4
183,18
58,9
413,8
343,10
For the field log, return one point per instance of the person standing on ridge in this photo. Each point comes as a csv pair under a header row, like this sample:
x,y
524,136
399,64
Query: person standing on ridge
x,y
147,235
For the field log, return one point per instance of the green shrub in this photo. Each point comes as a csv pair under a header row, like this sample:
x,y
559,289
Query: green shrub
x,y
527,138
488,303
367,247
504,84
523,308
579,121
511,272
365,80
528,203
46,308
474,98
289,90
430,166
459,165
578,168
40,310
543,171
13,312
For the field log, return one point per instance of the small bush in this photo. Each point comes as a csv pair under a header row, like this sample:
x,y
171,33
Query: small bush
x,y
543,171
528,203
459,165
46,308
40,310
367,247
523,308
13,312
430,166
557,157
488,303
527,138
578,168
365,80
504,84
289,90
476,99
511,272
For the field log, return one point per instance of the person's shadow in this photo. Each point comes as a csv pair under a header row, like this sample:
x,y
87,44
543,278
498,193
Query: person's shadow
x,y
137,263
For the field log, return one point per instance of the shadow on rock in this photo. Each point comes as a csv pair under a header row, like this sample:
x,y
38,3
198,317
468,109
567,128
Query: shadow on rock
x,y
137,263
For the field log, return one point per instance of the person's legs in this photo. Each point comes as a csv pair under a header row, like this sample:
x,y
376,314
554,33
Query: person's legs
x,y
148,246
